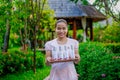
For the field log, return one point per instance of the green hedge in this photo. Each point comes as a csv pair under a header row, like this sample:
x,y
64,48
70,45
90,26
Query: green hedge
x,y
17,61
98,63
114,47
110,34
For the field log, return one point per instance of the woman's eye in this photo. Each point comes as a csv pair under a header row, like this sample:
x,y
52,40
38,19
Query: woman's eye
x,y
58,28
64,28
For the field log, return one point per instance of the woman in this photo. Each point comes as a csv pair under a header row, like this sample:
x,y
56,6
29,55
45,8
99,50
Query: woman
x,y
62,48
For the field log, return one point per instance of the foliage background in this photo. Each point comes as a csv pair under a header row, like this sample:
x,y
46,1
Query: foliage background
x,y
98,62
99,59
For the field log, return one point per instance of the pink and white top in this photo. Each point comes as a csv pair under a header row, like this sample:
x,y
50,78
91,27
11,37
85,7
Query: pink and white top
x,y
63,70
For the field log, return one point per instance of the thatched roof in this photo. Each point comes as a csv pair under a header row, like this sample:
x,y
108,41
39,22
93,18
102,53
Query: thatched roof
x,y
68,9
93,13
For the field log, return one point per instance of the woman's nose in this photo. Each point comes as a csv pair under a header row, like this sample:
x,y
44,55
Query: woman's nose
x,y
61,30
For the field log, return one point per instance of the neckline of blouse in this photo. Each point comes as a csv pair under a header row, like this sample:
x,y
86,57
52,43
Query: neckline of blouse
x,y
62,44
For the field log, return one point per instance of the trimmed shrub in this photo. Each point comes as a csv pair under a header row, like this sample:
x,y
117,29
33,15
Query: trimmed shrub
x,y
97,63
114,47
40,60
110,34
18,61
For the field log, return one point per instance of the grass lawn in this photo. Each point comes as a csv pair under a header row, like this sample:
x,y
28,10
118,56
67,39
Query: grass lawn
x,y
29,75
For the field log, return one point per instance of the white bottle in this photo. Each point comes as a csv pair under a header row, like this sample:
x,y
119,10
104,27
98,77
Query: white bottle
x,y
66,53
54,53
60,53
72,52
69,52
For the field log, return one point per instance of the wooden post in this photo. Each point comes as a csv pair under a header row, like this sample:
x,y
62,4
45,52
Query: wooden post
x,y
86,31
74,29
91,29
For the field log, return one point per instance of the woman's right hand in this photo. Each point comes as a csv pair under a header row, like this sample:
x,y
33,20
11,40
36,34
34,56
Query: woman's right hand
x,y
49,59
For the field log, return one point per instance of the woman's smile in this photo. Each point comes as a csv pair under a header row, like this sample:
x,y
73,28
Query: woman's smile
x,y
61,30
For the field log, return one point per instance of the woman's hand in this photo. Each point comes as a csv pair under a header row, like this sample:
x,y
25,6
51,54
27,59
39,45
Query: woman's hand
x,y
48,60
77,58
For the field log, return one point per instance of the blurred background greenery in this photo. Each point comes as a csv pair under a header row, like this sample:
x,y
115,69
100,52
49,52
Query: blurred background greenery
x,y
20,19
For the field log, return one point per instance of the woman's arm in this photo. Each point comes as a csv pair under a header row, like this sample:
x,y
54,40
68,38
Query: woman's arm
x,y
48,57
77,56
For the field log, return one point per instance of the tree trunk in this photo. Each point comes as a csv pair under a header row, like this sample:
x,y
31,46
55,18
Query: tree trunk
x,y
7,35
35,41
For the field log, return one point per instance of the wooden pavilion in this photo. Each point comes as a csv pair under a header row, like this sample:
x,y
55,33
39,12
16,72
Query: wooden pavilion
x,y
77,15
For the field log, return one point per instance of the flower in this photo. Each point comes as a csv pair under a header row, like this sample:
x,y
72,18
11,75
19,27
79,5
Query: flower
x,y
103,75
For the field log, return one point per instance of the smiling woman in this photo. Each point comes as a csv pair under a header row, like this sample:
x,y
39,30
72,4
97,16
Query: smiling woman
x,y
62,53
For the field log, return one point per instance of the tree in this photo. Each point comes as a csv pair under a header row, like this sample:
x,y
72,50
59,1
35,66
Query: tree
x,y
8,26
36,9
27,19
37,16
105,6
108,7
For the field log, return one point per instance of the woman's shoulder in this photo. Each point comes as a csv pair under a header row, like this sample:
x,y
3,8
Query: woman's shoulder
x,y
72,40
50,42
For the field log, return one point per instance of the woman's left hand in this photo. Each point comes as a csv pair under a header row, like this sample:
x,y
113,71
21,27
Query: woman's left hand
x,y
77,58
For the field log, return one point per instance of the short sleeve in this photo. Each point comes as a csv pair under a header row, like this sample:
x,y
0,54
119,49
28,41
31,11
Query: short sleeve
x,y
48,46
76,44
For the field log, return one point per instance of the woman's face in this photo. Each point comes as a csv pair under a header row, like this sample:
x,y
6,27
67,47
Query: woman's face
x,y
61,30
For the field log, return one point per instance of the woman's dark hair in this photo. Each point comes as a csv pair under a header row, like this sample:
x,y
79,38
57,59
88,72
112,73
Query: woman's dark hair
x,y
60,20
